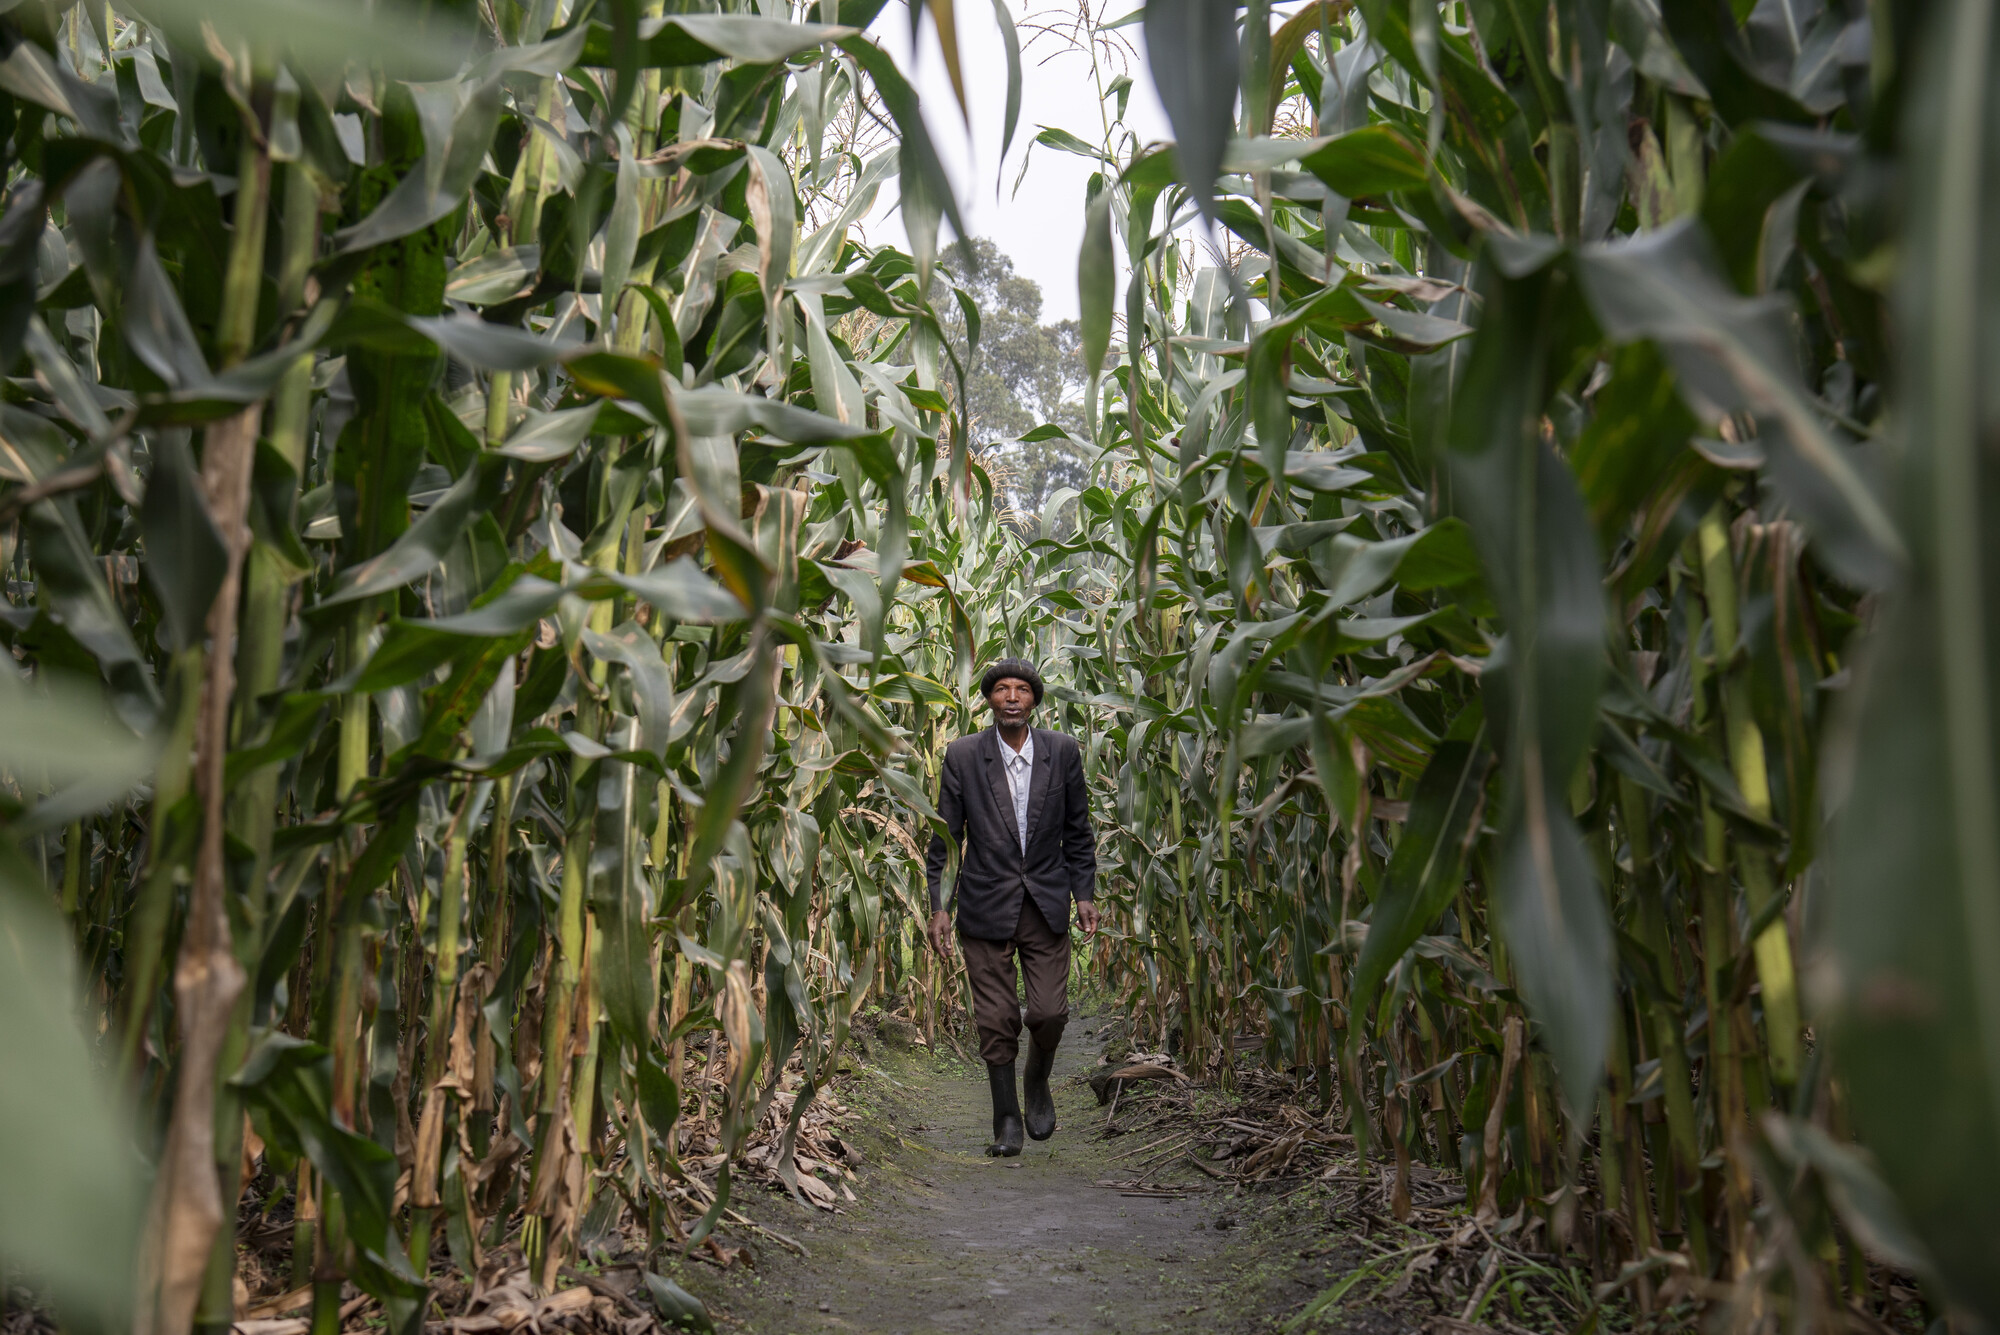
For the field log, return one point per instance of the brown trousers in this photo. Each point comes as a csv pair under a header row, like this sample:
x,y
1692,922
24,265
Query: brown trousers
x,y
996,1004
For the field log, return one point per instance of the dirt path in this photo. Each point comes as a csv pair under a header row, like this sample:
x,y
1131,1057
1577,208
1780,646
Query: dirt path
x,y
945,1239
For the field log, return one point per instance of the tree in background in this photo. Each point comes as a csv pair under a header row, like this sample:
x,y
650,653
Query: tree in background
x,y
1021,374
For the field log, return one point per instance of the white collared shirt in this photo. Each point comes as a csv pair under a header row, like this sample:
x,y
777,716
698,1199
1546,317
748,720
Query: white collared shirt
x,y
1020,772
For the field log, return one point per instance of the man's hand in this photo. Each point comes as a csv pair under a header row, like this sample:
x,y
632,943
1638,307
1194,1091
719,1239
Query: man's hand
x,y
1086,917
940,934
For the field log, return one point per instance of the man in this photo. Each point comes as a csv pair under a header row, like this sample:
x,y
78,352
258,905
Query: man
x,y
1014,800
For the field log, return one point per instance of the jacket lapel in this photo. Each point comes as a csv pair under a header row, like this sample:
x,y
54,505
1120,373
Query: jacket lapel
x,y
1038,782
996,783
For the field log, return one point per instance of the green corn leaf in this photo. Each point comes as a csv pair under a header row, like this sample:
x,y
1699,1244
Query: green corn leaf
x,y
1097,279
1192,50
1010,42
74,1195
1732,352
1913,928
675,1304
186,561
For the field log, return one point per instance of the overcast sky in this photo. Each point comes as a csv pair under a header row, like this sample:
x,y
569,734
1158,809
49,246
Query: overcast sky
x,y
1039,226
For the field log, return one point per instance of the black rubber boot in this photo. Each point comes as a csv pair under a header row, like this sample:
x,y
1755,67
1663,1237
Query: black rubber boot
x,y
1006,1111
1035,1085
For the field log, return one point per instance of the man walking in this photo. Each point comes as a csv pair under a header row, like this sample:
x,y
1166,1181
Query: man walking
x,y
1014,800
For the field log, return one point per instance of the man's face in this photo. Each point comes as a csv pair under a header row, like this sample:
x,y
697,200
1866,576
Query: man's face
x,y
1012,700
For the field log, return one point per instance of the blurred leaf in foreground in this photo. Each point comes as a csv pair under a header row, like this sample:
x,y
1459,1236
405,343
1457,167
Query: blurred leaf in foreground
x,y
72,1185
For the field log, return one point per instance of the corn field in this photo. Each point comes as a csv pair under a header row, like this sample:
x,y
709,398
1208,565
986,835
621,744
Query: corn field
x,y
493,557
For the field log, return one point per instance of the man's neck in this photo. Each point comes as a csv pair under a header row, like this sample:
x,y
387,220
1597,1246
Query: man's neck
x,y
1017,738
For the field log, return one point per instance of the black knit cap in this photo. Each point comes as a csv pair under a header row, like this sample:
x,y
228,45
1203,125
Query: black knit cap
x,y
1020,669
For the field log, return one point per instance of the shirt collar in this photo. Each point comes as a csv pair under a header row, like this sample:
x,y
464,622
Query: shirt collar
x,y
1007,753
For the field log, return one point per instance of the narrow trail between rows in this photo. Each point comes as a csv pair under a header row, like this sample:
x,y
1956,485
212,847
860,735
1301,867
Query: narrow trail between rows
x,y
943,1238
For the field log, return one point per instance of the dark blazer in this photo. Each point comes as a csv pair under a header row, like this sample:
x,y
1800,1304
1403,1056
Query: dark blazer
x,y
978,807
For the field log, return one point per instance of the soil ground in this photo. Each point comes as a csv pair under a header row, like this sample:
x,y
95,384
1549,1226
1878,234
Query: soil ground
x,y
944,1239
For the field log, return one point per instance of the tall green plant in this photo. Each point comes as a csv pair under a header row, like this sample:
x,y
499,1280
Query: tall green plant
x,y
538,568
478,459
1471,571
